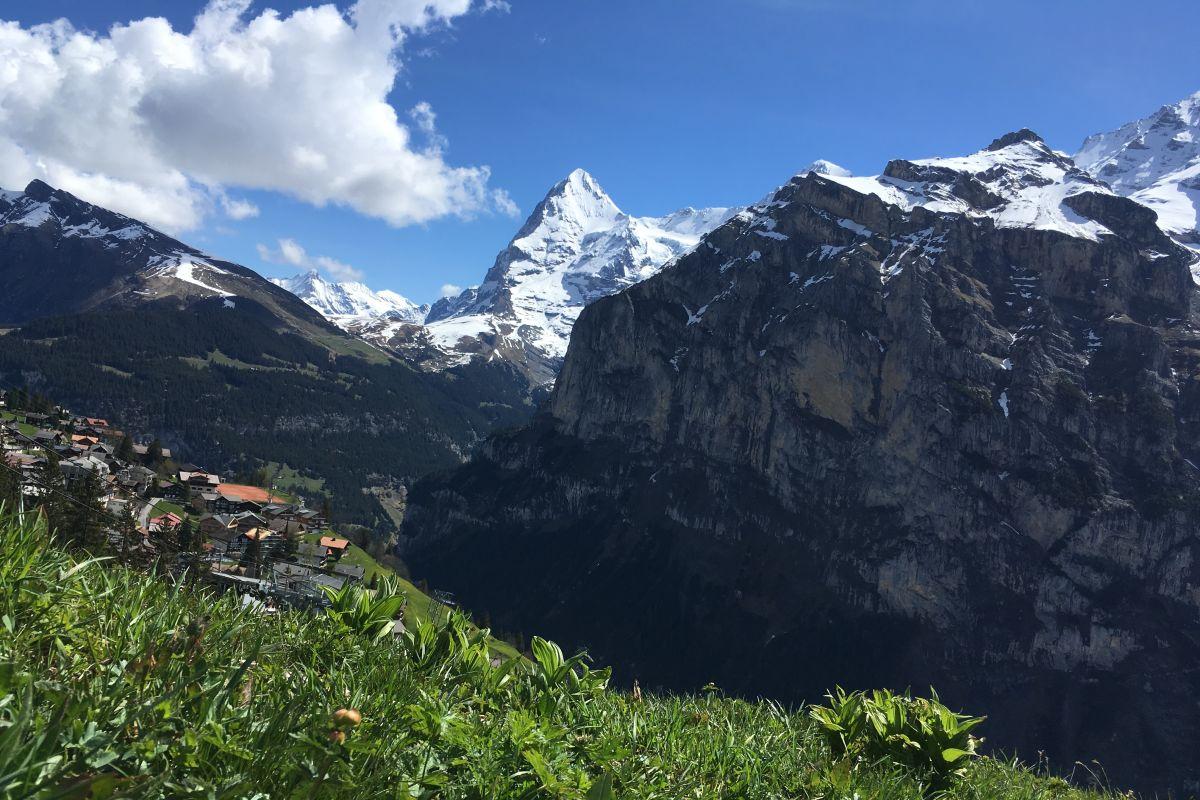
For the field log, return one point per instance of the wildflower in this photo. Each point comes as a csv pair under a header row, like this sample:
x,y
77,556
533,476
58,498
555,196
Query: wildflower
x,y
346,718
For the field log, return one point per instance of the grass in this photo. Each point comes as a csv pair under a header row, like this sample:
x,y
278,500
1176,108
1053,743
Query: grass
x,y
167,507
117,684
288,478
420,605
24,427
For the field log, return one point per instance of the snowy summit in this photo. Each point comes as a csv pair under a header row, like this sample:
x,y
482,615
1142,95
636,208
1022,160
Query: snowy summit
x,y
576,247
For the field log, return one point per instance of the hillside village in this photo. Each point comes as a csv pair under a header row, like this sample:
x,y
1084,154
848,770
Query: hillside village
x,y
135,500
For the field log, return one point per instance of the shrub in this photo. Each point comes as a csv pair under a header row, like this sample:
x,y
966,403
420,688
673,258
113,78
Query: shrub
x,y
916,733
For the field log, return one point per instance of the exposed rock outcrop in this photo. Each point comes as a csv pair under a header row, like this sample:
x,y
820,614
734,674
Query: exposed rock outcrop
x,y
927,428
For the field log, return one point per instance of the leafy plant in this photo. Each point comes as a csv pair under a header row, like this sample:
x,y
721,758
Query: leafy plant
x,y
917,733
371,613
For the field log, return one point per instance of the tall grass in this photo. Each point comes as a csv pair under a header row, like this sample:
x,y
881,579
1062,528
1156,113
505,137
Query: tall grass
x,y
115,684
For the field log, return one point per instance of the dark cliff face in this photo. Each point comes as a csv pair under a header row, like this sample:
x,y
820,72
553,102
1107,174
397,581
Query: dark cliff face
x,y
847,443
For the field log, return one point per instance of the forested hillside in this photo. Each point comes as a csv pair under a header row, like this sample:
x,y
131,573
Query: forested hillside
x,y
226,388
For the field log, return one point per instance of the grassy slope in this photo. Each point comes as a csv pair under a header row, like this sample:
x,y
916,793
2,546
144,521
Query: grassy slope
x,y
25,428
167,507
113,684
420,605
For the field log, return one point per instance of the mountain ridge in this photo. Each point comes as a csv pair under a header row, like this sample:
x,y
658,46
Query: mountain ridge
x,y
346,303
928,427
46,233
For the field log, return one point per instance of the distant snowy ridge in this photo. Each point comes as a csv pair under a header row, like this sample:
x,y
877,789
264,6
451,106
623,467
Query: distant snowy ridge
x,y
349,302
1155,161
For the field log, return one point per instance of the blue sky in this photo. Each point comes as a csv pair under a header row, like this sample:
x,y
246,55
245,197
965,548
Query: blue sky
x,y
709,102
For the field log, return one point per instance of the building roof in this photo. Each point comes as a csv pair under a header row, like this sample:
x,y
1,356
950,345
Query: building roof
x,y
259,534
199,475
334,543
350,571
237,491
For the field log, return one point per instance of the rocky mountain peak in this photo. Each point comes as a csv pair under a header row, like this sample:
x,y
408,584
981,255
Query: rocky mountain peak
x,y
1009,139
1018,181
576,247
39,190
576,205
823,167
1155,161
63,255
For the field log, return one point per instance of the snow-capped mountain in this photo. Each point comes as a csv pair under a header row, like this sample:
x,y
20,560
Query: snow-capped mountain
x,y
1018,181
577,246
348,303
62,255
1155,161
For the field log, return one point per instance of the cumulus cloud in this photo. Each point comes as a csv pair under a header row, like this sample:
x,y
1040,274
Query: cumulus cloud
x,y
291,253
450,290
160,124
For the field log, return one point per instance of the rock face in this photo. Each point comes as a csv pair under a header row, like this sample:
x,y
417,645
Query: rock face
x,y
576,247
1155,161
933,427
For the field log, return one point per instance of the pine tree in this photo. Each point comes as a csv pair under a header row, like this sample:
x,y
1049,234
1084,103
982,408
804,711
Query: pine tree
x,y
125,449
87,520
166,541
10,489
154,454
51,489
187,536
128,527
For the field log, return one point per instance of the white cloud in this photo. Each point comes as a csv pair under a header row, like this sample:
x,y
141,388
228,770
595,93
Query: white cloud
x,y
450,290
338,269
291,253
159,123
238,209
